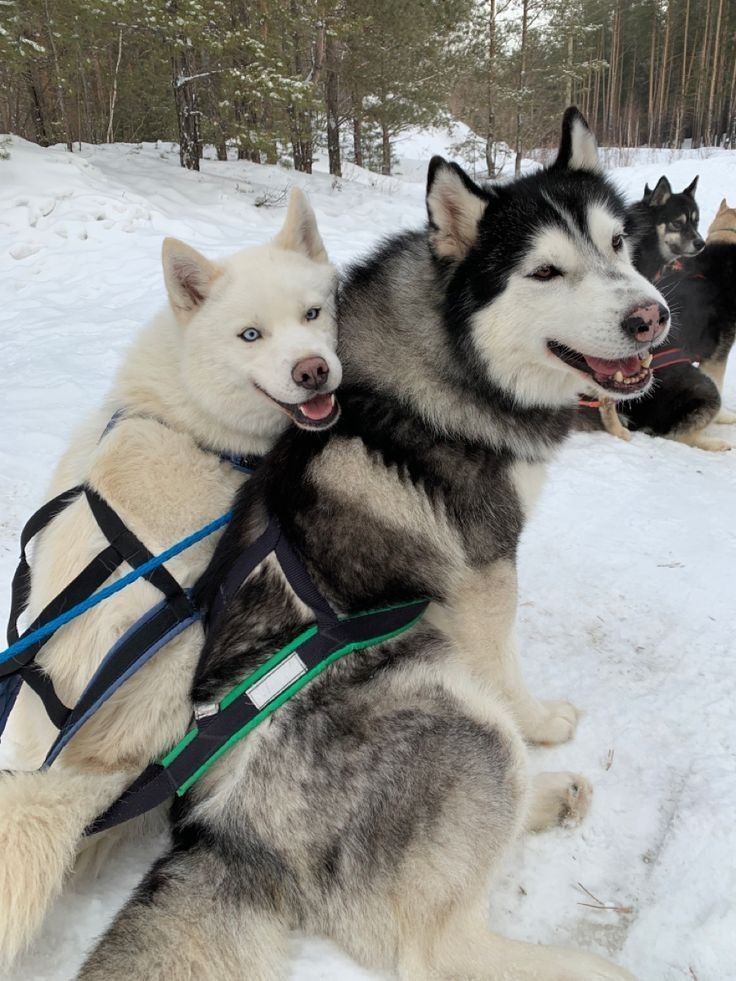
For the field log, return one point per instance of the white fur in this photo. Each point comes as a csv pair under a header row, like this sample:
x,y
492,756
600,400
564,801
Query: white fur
x,y
583,309
584,154
455,211
188,382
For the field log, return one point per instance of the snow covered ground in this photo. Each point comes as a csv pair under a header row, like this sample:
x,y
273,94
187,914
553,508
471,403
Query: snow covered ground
x,y
627,569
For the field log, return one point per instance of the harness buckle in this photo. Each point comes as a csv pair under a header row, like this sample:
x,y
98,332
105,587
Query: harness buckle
x,y
205,710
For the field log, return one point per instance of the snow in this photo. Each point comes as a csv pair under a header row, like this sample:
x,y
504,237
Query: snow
x,y
627,566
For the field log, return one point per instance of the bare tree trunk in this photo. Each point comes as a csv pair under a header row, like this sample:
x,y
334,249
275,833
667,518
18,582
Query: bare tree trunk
x,y
615,73
598,83
664,75
680,118
568,80
491,92
522,83
332,100
59,81
652,80
39,123
357,141
385,150
709,134
187,111
301,121
731,122
704,53
114,93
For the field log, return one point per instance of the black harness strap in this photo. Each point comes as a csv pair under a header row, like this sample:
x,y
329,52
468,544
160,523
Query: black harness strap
x,y
37,679
21,585
158,783
245,563
141,642
301,582
218,725
130,548
83,585
130,653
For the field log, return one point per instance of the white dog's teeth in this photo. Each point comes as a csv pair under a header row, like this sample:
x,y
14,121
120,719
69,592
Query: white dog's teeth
x,y
618,377
645,362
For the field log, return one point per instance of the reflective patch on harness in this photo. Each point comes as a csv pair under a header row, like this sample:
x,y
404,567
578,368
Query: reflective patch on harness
x,y
277,680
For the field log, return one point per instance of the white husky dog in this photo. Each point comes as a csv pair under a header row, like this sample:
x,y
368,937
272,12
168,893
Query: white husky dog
x,y
245,345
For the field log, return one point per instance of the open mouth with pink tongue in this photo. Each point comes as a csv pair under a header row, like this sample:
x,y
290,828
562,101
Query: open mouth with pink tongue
x,y
318,412
623,377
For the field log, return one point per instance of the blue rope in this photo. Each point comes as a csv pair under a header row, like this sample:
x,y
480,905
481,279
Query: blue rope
x,y
76,611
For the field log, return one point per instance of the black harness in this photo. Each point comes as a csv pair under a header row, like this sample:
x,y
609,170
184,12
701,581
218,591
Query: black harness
x,y
176,611
170,617
216,726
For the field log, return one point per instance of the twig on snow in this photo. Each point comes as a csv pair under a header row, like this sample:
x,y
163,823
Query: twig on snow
x,y
598,904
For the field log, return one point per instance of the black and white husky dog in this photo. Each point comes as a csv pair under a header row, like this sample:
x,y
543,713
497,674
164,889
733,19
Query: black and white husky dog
x,y
667,226
373,806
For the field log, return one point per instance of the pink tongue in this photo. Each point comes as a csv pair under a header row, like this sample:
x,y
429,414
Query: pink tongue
x,y
317,408
627,366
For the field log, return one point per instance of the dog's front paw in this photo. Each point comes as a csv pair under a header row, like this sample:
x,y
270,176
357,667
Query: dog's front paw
x,y
554,722
726,417
713,445
559,799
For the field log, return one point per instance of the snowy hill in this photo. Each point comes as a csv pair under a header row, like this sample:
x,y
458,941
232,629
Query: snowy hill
x,y
627,568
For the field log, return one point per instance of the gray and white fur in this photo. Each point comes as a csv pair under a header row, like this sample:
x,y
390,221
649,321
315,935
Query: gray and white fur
x,y
374,806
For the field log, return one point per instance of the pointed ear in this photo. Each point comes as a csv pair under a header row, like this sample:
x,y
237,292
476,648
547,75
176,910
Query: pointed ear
x,y
188,276
723,206
578,148
455,206
647,192
662,193
690,189
299,232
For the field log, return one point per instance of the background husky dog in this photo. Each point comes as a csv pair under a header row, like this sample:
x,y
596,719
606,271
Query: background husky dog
x,y
374,805
247,344
686,399
667,226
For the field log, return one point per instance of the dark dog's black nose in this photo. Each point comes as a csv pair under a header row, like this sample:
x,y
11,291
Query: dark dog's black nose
x,y
698,244
311,373
646,323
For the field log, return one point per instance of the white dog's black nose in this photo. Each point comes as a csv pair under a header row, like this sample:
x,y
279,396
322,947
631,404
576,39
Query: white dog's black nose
x,y
646,323
311,373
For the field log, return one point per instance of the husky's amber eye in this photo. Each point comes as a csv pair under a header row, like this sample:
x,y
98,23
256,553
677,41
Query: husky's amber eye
x,y
546,272
250,334
312,313
617,242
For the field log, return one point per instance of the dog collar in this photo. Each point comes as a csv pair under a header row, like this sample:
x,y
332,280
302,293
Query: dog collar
x,y
243,463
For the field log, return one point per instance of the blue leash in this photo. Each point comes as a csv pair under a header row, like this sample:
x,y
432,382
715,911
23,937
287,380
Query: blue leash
x,y
75,611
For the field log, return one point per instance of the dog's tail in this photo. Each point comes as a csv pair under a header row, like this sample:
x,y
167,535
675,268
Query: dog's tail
x,y
42,818
198,914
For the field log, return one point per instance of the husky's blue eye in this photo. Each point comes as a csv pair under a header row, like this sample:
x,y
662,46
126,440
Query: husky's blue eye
x,y
312,313
250,334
